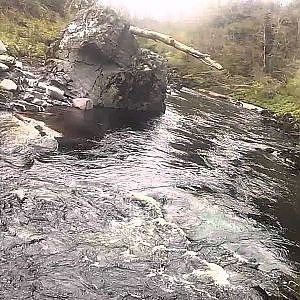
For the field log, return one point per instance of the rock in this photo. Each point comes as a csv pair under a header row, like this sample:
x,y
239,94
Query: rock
x,y
83,103
39,102
5,97
55,92
252,107
97,62
8,85
2,48
29,106
7,59
3,67
42,85
31,82
102,61
19,64
17,106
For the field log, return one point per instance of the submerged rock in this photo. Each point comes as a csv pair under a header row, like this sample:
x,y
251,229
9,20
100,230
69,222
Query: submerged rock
x,y
102,61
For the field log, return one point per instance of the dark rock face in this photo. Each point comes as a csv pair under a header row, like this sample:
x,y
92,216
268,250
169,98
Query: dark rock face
x,y
98,58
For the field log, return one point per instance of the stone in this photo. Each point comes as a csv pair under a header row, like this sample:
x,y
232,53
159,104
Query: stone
x,y
252,107
28,106
19,64
17,106
39,102
7,59
57,103
2,48
55,92
83,103
3,67
32,82
8,85
106,65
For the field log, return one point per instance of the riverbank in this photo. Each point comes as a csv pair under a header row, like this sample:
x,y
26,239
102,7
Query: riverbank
x,y
27,35
279,97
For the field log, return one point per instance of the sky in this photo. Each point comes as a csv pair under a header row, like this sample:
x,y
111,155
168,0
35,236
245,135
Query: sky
x,y
158,8
170,9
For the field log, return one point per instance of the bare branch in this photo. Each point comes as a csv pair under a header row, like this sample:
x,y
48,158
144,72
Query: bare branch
x,y
156,36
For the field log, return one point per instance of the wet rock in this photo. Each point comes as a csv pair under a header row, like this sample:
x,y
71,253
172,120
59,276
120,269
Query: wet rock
x,y
19,64
102,61
30,106
83,103
2,48
96,62
6,96
7,59
54,92
252,107
8,85
3,67
286,122
39,102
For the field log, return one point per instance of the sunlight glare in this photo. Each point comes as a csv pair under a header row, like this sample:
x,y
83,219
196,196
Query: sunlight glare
x,y
156,8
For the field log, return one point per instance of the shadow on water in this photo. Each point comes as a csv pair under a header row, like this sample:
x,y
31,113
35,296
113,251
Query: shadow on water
x,y
193,204
83,129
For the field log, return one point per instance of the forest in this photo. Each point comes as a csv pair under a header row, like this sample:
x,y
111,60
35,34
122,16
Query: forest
x,y
258,44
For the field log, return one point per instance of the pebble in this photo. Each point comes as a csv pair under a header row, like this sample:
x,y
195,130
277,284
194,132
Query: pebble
x,y
8,85
3,67
55,92
2,48
17,106
30,106
42,85
83,103
19,64
31,82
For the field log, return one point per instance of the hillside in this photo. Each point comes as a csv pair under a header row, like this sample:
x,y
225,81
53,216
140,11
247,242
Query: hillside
x,y
258,43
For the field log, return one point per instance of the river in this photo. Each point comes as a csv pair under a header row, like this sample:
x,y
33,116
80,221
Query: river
x,y
194,204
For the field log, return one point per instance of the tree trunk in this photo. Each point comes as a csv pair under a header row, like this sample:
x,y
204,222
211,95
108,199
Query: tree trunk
x,y
269,37
156,36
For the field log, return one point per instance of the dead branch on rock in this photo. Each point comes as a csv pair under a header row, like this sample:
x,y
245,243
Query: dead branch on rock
x,y
156,36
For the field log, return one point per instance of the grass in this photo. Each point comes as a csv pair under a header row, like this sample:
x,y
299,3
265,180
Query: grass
x,y
265,91
275,96
29,36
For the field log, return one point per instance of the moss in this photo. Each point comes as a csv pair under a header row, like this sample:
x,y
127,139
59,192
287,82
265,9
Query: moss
x,y
29,36
274,96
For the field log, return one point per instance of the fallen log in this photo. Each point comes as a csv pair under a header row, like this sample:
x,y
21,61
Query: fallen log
x,y
168,40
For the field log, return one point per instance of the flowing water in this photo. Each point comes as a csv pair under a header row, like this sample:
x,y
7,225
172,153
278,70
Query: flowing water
x,y
194,204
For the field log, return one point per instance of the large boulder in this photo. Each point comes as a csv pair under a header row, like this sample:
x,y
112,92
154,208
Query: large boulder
x,y
98,58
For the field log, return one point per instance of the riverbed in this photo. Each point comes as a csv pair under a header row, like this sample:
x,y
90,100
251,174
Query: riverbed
x,y
195,204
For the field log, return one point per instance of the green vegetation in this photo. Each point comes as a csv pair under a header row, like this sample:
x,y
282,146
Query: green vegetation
x,y
275,96
26,35
258,43
27,27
